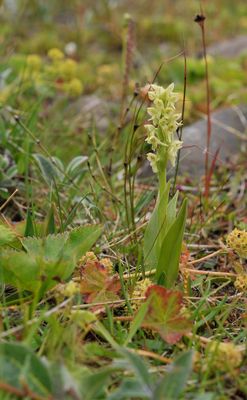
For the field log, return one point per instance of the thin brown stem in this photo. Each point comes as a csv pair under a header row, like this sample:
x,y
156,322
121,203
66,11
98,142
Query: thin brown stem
x,y
200,19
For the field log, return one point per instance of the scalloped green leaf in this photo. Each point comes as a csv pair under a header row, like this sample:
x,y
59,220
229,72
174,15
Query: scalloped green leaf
x,y
46,260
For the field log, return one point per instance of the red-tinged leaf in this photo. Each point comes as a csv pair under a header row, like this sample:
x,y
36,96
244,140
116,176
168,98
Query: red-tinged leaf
x,y
98,285
164,314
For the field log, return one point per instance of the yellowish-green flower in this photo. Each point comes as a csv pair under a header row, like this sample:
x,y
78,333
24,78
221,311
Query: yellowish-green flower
x,y
139,291
74,88
34,62
164,121
55,54
241,282
224,356
173,150
237,241
70,289
152,158
89,256
68,69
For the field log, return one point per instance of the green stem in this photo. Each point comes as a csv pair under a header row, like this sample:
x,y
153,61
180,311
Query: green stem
x,y
162,176
162,186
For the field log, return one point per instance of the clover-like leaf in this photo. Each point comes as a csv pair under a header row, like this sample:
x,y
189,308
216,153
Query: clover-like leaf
x,y
97,284
165,315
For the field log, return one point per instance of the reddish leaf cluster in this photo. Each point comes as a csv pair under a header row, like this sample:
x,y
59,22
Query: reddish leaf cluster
x,y
97,284
165,314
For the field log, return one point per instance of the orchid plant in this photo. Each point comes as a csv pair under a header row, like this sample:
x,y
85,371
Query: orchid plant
x,y
164,233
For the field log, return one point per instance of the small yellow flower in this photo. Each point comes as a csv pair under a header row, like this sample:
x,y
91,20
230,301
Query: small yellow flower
x,y
224,356
74,87
55,54
34,62
70,289
67,69
139,291
237,241
241,282
89,256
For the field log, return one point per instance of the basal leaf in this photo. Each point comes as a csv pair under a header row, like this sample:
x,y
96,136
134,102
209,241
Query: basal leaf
x,y
164,314
155,230
171,211
168,263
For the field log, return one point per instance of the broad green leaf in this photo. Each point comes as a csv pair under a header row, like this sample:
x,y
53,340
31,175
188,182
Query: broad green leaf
x,y
155,230
51,247
173,384
82,239
168,263
46,260
20,270
171,211
164,314
47,168
19,365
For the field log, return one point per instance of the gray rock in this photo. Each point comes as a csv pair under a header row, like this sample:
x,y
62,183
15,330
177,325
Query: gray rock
x,y
229,48
229,134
